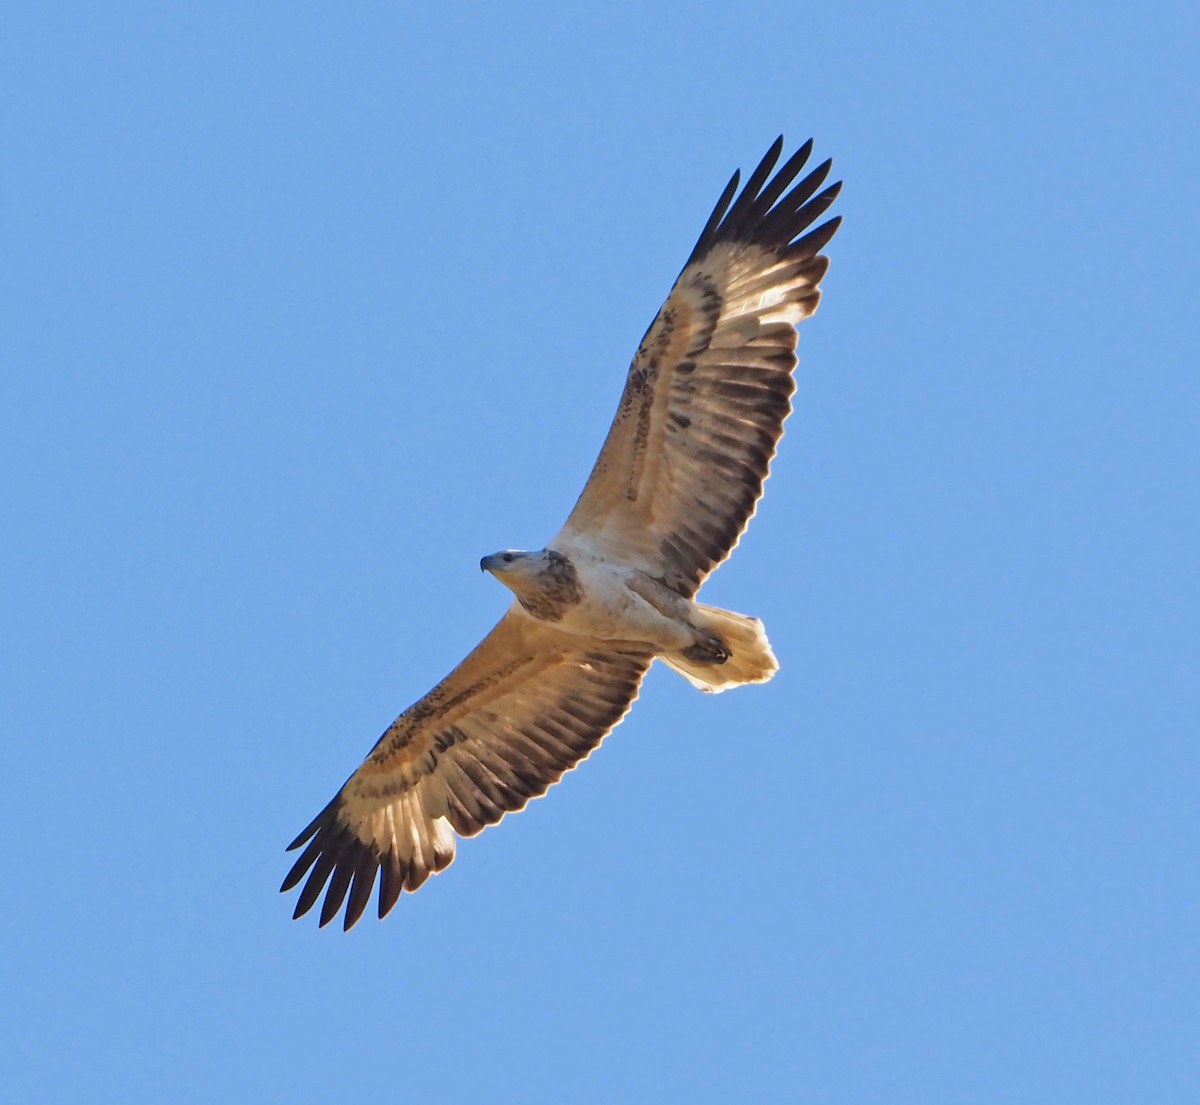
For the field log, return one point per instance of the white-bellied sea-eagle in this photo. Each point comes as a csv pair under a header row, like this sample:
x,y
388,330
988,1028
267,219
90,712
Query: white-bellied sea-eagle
x,y
672,490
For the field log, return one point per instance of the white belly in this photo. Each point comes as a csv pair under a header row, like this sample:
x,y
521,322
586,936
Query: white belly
x,y
611,611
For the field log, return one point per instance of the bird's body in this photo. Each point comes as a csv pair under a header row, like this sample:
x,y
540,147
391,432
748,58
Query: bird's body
x,y
594,598
589,596
674,486
613,609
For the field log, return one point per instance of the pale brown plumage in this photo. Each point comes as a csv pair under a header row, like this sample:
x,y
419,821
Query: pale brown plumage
x,y
710,385
526,705
673,488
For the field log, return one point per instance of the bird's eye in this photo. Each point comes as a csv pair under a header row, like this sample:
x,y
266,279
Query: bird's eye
x,y
507,558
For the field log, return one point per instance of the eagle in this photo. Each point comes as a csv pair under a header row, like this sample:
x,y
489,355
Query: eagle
x,y
671,492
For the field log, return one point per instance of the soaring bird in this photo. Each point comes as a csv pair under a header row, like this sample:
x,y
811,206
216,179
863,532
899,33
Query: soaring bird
x,y
674,486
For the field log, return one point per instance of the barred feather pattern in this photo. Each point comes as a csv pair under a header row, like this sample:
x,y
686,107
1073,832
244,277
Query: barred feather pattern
x,y
675,485
528,704
710,386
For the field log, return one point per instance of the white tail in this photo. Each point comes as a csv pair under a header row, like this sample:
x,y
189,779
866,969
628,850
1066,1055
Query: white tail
x,y
750,657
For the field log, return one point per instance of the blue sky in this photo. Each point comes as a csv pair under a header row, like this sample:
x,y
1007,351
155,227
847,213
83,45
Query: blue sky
x,y
306,307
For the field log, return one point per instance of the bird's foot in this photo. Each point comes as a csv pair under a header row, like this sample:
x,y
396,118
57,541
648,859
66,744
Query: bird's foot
x,y
708,648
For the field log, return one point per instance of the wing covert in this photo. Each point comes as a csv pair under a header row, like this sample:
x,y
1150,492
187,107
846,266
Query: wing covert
x,y
709,388
527,705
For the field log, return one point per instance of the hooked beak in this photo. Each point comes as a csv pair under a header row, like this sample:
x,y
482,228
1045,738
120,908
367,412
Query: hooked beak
x,y
489,563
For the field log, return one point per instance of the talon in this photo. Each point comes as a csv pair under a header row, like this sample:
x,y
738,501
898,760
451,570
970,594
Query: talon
x,y
708,648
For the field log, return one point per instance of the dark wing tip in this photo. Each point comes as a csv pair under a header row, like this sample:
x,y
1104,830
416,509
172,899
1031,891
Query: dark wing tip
x,y
391,882
762,213
816,240
718,213
316,834
335,855
312,827
343,872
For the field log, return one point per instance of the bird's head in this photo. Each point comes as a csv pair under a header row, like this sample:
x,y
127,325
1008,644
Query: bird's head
x,y
511,566
544,581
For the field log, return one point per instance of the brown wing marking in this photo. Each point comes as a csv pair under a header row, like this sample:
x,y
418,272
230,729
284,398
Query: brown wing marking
x,y
681,329
709,388
526,706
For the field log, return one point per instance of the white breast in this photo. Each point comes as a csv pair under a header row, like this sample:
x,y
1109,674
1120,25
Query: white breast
x,y
611,611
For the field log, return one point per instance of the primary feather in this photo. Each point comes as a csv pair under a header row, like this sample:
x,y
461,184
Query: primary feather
x,y
673,488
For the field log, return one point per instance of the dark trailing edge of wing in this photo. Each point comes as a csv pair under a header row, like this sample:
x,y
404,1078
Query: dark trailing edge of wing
x,y
760,216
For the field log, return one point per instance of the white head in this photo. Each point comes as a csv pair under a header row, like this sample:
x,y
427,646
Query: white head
x,y
545,582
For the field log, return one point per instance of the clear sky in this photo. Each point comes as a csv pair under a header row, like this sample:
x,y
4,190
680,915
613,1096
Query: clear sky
x,y
307,307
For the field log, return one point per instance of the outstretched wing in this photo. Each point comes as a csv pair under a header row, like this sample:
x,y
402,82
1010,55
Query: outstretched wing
x,y
525,706
710,385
